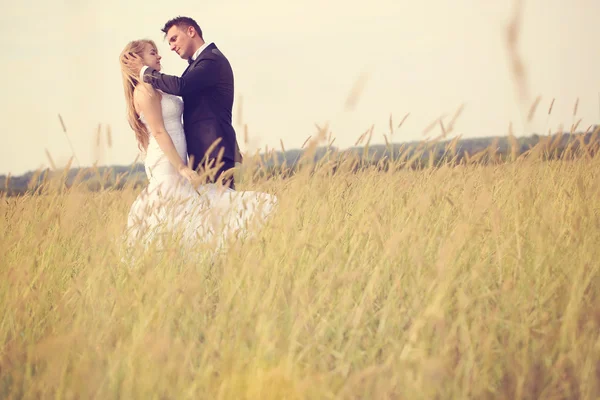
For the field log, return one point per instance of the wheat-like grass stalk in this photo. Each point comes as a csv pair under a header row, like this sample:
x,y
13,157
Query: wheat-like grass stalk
x,y
64,128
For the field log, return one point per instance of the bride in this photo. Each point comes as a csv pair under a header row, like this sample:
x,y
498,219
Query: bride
x,y
171,203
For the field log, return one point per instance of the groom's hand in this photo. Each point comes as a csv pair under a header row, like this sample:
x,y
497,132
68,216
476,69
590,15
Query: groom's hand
x,y
134,62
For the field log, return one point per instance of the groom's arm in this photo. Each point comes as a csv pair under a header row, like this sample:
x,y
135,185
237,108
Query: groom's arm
x,y
201,75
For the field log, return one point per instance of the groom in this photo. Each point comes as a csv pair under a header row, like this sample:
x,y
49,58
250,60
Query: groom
x,y
207,89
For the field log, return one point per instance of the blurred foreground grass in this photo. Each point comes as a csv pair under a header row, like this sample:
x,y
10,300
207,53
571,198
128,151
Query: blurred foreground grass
x,y
472,281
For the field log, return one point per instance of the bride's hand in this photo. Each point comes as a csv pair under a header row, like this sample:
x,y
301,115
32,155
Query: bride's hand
x,y
188,173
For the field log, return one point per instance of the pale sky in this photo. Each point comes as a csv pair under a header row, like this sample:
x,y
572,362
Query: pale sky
x,y
295,63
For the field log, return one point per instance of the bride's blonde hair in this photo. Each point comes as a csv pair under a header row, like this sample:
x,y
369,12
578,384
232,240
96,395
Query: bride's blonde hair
x,y
130,81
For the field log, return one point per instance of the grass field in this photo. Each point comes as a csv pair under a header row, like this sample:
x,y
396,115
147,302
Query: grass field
x,y
475,281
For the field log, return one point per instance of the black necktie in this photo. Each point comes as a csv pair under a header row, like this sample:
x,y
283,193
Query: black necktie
x,y
190,60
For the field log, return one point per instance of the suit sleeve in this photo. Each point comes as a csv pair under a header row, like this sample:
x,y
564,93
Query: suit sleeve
x,y
200,76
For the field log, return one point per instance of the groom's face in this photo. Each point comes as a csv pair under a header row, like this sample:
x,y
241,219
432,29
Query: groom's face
x,y
180,41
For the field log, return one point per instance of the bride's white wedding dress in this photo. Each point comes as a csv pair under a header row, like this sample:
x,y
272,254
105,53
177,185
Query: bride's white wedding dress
x,y
171,208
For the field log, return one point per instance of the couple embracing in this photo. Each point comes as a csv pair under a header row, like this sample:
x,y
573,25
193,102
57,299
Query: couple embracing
x,y
176,118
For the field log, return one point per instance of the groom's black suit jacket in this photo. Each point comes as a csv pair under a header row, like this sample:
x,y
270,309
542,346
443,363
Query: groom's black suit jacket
x,y
207,89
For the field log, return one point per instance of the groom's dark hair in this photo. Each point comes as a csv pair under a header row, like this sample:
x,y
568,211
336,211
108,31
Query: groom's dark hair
x,y
182,22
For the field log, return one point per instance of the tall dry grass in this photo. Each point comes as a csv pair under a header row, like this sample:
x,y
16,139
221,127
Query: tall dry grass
x,y
471,281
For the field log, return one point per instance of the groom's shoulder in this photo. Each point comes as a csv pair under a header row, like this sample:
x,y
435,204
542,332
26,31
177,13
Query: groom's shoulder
x,y
213,55
214,51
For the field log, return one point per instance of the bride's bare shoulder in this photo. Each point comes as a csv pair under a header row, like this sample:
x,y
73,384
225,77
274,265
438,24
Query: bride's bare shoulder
x,y
145,93
144,90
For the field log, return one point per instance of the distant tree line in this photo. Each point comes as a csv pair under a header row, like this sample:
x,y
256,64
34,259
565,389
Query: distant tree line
x,y
413,155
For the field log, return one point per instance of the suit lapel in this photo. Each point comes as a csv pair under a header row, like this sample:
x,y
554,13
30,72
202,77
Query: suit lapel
x,y
201,56
208,48
186,70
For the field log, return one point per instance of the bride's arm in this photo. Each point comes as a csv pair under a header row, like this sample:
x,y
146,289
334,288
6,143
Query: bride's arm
x,y
148,101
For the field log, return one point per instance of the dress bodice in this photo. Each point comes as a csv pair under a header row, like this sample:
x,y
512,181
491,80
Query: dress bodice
x,y
158,167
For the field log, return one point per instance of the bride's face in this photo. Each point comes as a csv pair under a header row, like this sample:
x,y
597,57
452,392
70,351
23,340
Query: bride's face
x,y
151,57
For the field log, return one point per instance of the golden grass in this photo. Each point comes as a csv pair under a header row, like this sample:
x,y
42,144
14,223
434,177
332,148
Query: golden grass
x,y
452,282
